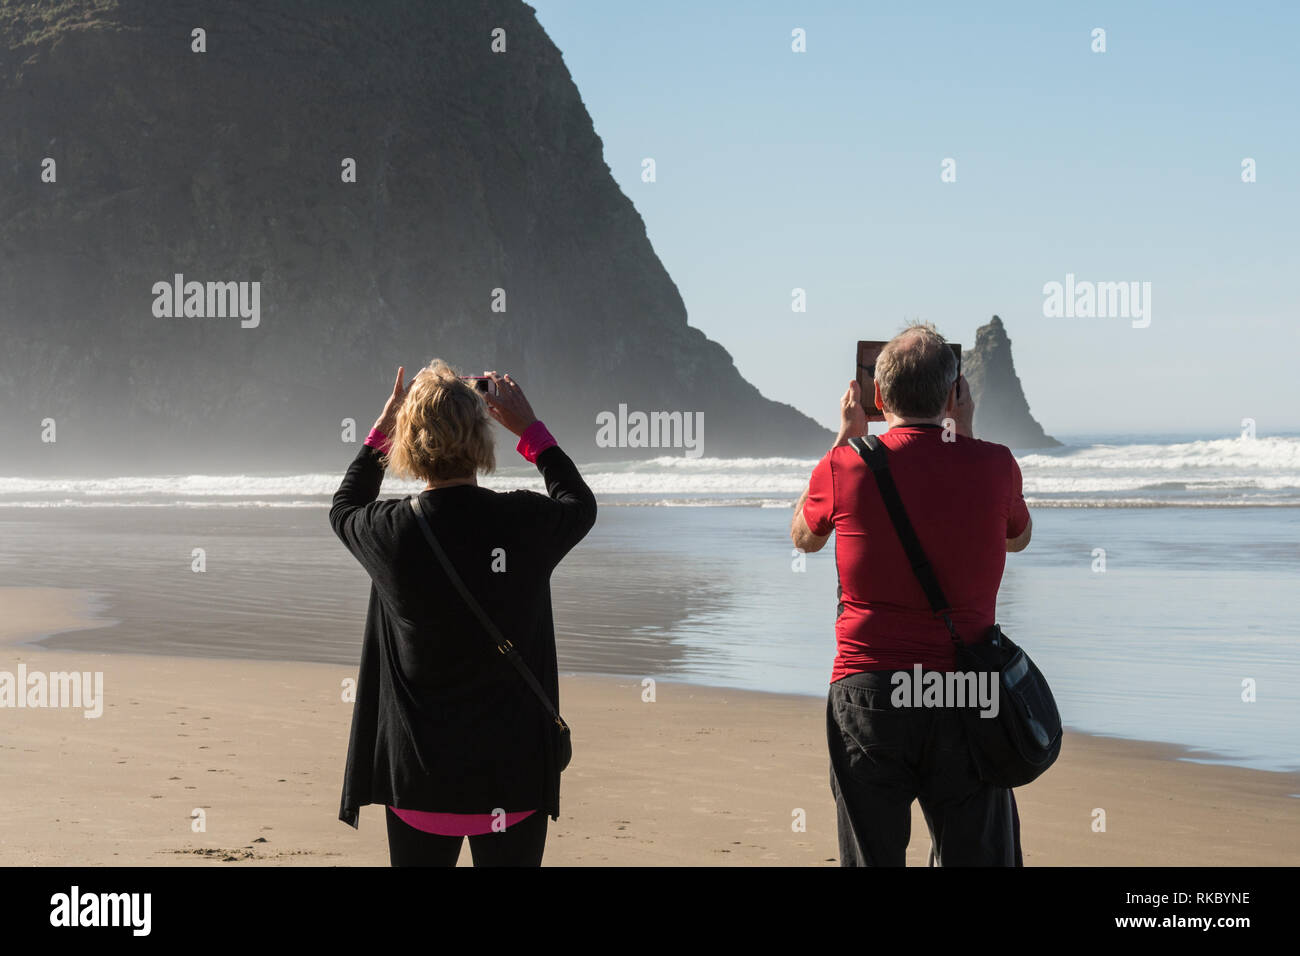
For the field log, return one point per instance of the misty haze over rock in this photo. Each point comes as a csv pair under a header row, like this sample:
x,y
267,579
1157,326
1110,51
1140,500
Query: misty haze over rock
x,y
475,171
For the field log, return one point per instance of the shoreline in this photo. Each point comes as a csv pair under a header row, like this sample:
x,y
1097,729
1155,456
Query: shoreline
x,y
701,776
33,614
47,619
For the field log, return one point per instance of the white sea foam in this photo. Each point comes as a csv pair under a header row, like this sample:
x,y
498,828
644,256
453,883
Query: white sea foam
x,y
1220,472
1228,453
1212,473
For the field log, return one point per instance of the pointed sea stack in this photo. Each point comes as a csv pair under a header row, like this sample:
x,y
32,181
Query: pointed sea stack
x,y
1001,411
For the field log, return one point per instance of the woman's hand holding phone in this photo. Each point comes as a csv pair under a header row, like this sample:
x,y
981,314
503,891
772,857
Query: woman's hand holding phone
x,y
387,420
509,406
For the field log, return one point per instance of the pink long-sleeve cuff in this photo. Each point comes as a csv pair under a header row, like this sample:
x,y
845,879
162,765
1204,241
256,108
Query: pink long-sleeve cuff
x,y
377,439
535,440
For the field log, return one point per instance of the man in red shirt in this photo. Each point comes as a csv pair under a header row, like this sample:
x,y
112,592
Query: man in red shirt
x,y
964,499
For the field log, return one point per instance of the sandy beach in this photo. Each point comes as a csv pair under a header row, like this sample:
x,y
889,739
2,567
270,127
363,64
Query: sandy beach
x,y
699,777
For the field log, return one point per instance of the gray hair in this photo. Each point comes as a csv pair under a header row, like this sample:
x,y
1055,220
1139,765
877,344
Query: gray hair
x,y
916,370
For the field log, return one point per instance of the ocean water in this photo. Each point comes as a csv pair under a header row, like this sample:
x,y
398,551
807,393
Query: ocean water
x,y
689,575
1212,473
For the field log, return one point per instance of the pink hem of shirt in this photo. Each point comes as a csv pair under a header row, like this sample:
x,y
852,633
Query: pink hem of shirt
x,y
456,824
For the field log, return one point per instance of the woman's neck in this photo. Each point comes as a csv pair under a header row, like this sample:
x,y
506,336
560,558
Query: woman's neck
x,y
433,485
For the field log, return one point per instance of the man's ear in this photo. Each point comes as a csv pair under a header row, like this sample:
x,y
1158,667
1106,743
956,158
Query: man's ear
x,y
951,407
880,402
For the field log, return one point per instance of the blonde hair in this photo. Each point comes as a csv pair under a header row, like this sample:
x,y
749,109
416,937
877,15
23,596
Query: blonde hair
x,y
443,428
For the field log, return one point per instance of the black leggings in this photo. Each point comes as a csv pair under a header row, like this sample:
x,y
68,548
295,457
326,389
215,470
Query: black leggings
x,y
518,845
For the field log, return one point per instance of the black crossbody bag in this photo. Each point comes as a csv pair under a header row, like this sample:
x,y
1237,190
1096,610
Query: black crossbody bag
x,y
563,738
1024,739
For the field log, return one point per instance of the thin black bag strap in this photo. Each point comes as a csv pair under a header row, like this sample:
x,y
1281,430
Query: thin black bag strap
x,y
873,452
503,645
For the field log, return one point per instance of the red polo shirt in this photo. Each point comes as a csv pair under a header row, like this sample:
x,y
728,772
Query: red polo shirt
x,y
964,499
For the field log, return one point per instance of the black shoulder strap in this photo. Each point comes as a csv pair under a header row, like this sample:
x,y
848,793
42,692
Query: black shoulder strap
x,y
873,452
503,645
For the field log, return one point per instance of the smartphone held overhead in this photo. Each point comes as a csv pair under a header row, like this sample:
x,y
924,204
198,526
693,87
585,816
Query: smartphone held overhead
x,y
481,383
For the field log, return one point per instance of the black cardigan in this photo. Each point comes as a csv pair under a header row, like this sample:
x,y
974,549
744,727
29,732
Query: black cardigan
x,y
442,721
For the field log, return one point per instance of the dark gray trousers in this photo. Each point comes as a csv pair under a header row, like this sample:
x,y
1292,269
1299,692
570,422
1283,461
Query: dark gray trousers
x,y
884,757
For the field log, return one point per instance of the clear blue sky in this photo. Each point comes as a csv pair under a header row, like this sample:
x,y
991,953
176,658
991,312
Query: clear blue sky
x,y
821,170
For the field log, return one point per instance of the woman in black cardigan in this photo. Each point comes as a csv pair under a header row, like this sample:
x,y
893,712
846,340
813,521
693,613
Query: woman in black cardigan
x,y
445,733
